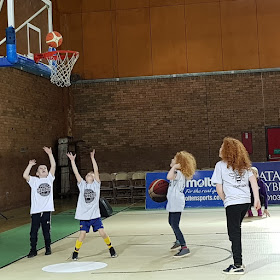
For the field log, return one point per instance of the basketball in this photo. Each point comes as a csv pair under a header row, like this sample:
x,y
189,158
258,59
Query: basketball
x,y
54,39
158,190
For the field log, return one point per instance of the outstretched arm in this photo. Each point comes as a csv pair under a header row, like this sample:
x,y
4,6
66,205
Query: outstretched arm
x,y
255,189
95,167
52,160
74,167
26,172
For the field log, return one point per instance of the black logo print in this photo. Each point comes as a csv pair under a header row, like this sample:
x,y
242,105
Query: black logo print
x,y
235,175
89,195
44,189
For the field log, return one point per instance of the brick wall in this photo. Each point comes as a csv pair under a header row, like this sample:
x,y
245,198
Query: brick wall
x,y
32,114
140,125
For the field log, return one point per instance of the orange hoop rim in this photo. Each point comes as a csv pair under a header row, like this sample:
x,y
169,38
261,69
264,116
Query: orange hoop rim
x,y
53,55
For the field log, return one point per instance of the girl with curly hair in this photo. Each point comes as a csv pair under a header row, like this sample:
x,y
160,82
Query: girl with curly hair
x,y
232,176
183,166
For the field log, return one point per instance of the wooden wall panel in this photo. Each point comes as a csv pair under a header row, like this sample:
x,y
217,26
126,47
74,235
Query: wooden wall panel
x,y
268,29
204,46
201,1
95,5
133,41
69,6
161,3
72,31
98,45
168,40
128,4
239,34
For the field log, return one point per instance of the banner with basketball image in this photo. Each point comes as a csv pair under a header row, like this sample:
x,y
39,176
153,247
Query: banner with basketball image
x,y
200,192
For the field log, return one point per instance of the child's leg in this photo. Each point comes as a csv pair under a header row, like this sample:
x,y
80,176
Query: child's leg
x,y
46,228
174,220
80,240
107,240
35,225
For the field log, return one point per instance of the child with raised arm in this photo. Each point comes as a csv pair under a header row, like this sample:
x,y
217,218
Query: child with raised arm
x,y
88,205
41,202
183,167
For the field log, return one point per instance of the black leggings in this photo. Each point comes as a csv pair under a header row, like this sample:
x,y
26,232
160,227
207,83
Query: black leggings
x,y
38,219
174,220
235,215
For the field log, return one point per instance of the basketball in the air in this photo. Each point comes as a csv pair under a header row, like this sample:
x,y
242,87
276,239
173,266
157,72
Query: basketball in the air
x,y
158,190
54,39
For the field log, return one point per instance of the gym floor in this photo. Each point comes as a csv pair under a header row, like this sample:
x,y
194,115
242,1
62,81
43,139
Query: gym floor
x,y
143,239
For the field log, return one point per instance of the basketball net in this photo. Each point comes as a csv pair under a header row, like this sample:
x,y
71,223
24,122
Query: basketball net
x,y
61,64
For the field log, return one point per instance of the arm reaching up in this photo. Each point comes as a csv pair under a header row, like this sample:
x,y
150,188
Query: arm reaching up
x,y
95,167
26,172
74,167
52,160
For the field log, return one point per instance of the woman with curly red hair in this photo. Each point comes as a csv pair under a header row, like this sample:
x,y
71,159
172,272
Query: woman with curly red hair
x,y
232,176
183,166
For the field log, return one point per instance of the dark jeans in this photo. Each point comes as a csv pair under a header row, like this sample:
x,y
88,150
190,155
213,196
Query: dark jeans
x,y
38,219
174,220
235,215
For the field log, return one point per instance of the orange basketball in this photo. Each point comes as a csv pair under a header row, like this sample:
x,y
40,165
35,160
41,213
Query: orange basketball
x,y
158,190
54,39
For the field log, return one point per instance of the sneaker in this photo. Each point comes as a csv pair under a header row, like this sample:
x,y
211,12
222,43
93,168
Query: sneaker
x,y
48,251
260,213
32,254
175,246
183,253
250,213
113,252
232,269
75,256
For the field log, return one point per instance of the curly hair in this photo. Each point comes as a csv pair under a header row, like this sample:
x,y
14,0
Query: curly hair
x,y
235,155
187,162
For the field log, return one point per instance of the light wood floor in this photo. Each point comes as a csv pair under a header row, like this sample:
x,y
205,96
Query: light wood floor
x,y
143,238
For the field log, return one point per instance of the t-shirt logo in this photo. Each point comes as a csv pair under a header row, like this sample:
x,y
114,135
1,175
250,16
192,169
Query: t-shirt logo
x,y
235,175
44,189
89,195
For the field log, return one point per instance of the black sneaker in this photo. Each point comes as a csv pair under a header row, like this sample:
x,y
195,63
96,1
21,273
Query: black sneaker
x,y
32,254
175,246
48,251
183,253
232,269
113,252
75,256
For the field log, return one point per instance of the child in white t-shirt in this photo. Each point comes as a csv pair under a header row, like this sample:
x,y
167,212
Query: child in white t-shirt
x,y
232,176
41,202
88,206
183,167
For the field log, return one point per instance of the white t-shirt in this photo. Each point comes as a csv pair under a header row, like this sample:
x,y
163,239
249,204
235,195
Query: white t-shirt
x,y
41,194
175,193
235,187
88,201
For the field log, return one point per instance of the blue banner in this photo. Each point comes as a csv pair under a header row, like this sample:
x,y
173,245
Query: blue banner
x,y
200,192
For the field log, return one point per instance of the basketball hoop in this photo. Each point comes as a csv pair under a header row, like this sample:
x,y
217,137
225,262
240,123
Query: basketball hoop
x,y
61,64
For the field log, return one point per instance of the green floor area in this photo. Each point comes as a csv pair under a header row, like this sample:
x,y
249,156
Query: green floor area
x,y
14,243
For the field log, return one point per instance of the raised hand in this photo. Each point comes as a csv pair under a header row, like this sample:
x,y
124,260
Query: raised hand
x,y
47,150
177,166
92,154
32,162
71,156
